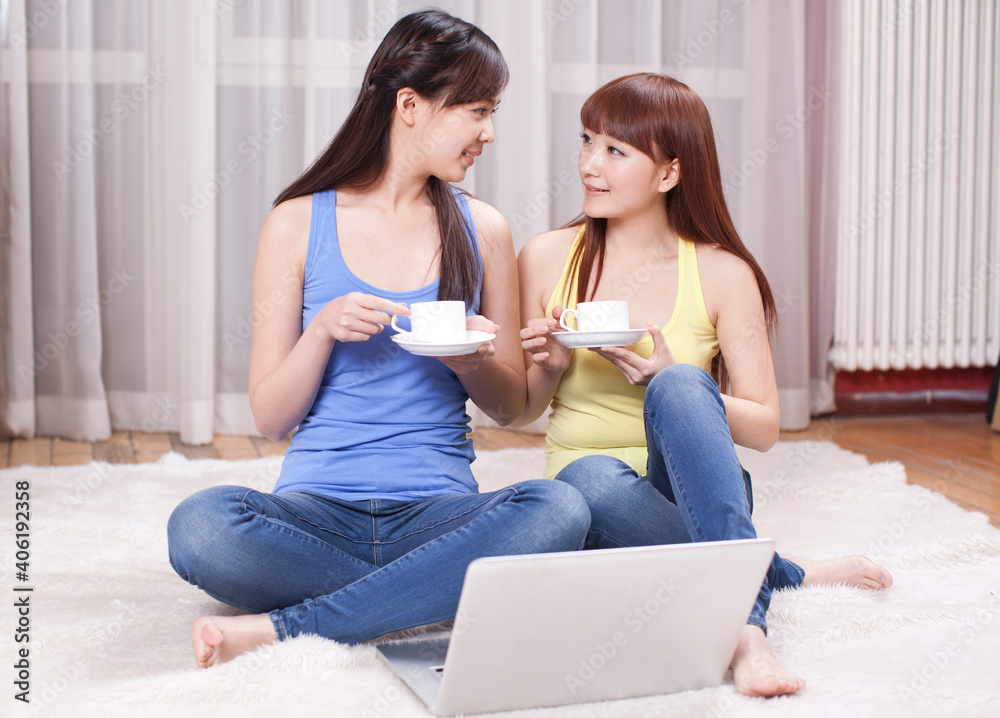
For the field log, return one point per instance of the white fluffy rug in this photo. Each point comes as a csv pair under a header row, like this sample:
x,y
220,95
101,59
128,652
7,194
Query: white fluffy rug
x,y
109,619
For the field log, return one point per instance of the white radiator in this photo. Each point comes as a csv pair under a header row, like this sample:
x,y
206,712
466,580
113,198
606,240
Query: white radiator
x,y
918,234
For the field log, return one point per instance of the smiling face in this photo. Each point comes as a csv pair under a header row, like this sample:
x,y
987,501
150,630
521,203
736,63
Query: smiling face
x,y
620,181
455,137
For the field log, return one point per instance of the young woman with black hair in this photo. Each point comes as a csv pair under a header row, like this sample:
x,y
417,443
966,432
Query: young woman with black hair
x,y
376,514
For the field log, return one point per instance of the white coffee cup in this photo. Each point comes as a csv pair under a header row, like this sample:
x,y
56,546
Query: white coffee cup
x,y
436,322
597,317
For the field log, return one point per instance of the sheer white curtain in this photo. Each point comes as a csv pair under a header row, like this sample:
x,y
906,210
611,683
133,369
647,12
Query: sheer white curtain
x,y
143,143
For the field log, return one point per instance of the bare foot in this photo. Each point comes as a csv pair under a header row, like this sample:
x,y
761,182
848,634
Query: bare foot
x,y
850,570
217,639
756,672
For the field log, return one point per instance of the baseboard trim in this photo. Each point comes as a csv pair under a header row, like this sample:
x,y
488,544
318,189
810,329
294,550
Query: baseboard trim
x,y
928,401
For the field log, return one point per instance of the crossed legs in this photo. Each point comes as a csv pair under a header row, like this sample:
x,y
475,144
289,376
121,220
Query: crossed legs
x,y
696,490
305,564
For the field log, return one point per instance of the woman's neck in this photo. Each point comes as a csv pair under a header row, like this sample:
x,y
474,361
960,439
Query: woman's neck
x,y
403,183
398,191
641,233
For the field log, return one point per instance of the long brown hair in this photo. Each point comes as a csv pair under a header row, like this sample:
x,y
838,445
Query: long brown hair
x,y
441,58
667,120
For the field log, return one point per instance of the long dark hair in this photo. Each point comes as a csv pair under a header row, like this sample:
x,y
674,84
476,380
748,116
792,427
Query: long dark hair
x,y
667,120
441,58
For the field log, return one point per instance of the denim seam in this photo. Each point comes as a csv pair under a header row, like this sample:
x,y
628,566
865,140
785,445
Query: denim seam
x,y
279,625
376,552
754,621
300,534
607,539
245,509
798,569
393,566
675,484
492,494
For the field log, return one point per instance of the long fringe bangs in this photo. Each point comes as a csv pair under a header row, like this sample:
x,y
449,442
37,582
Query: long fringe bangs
x,y
623,109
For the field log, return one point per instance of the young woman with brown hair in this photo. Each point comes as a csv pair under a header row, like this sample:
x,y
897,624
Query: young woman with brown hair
x,y
376,514
645,434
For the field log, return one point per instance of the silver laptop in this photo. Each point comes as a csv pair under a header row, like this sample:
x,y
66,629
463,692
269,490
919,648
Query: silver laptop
x,y
560,628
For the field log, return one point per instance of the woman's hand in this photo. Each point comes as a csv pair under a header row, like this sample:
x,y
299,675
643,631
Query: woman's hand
x,y
637,370
468,363
545,350
356,317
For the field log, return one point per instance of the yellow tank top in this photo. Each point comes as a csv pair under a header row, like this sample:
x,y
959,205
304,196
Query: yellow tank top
x,y
595,410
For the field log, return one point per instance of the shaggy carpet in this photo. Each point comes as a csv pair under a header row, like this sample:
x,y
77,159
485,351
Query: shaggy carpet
x,y
109,620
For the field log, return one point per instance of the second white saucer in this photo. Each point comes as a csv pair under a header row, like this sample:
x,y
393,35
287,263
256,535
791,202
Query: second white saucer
x,y
590,340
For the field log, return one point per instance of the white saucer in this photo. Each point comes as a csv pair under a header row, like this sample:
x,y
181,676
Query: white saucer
x,y
473,340
590,340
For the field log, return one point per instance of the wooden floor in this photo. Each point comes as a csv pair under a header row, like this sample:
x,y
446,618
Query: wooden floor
x,y
954,454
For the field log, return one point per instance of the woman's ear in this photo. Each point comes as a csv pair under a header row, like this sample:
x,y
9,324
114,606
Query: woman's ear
x,y
406,105
671,175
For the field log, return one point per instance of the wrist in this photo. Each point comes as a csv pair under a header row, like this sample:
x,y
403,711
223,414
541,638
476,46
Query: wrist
x,y
316,331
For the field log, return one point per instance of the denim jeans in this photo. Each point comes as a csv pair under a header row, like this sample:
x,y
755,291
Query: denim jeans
x,y
352,571
694,488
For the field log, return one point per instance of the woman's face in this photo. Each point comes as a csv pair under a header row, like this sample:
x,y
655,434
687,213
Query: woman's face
x,y
454,137
618,180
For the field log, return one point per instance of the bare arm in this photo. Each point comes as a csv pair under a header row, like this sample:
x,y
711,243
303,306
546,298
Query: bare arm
x,y
496,381
735,307
539,266
752,410
286,364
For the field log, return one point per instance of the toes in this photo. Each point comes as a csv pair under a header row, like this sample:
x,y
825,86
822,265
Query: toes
x,y
885,579
211,634
206,637
770,686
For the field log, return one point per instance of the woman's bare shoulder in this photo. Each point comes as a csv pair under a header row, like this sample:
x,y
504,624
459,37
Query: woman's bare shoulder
x,y
720,261
284,236
288,221
491,226
541,262
550,247
725,278
292,214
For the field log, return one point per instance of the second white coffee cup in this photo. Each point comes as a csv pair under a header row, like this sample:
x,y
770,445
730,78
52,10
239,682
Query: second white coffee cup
x,y
436,322
597,317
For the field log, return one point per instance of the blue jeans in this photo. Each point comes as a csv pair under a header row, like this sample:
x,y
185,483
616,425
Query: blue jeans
x,y
694,488
352,571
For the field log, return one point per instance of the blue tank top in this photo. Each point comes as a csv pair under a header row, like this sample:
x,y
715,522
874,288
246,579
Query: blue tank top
x,y
385,423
